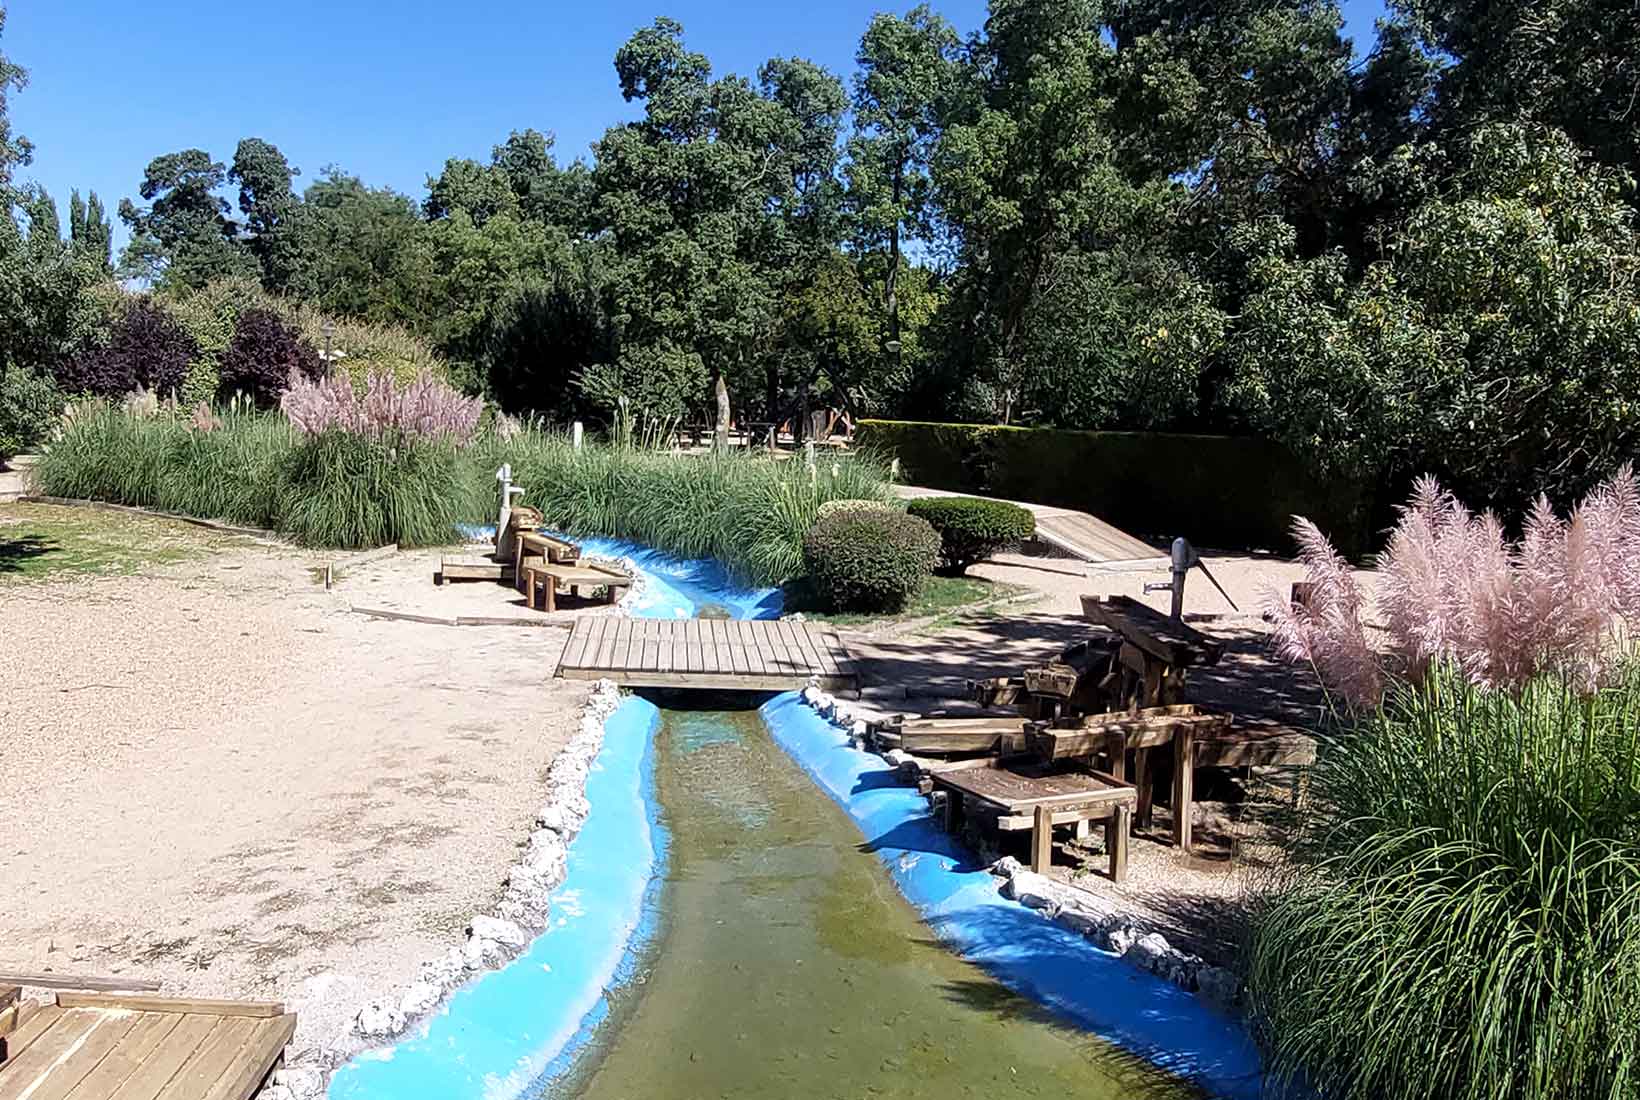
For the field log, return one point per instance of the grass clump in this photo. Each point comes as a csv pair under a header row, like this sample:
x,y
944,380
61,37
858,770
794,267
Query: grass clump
x,y
869,561
1462,913
972,528
749,511
353,491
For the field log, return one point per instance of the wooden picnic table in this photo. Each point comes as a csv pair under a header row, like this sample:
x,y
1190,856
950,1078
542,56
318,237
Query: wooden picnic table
x,y
1036,797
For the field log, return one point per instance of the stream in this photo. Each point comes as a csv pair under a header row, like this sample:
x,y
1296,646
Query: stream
x,y
786,964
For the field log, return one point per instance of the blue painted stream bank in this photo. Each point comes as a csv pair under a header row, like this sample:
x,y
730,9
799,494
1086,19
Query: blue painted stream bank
x,y
746,913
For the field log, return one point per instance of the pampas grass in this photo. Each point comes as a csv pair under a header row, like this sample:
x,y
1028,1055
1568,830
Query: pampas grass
x,y
1453,589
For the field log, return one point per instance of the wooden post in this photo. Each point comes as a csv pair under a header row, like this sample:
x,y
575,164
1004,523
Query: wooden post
x,y
549,592
953,812
528,576
1042,840
1117,827
1117,749
1184,761
1141,780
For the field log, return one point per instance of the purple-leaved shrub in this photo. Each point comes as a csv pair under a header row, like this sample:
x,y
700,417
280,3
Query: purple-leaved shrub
x,y
147,349
263,357
424,408
1452,588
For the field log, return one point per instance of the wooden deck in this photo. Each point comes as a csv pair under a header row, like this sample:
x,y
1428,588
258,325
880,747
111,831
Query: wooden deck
x,y
743,655
96,1046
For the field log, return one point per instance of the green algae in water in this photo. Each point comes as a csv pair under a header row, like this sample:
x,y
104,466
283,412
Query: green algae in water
x,y
789,966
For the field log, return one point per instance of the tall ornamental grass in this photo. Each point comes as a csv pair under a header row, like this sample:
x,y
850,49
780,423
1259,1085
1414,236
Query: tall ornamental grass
x,y
1461,916
748,510
405,463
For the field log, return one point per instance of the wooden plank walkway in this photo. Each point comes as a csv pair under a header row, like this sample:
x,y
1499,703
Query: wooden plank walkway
x,y
96,1046
1076,533
734,654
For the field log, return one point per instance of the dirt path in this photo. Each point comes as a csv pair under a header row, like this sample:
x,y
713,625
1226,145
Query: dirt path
x,y
229,782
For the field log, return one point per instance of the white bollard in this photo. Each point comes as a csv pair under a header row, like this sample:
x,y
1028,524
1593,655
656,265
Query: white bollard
x,y
575,432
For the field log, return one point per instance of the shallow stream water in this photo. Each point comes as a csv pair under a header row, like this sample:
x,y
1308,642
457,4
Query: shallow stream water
x,y
787,965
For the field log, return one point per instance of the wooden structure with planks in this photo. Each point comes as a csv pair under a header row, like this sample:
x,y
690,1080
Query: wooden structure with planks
x,y
1038,798
728,654
128,1046
546,579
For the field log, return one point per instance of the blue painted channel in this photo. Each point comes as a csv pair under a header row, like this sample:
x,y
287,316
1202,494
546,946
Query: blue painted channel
x,y
513,1027
1030,955
517,1028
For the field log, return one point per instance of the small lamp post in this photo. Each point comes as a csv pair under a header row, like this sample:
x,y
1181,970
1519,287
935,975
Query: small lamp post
x,y
329,329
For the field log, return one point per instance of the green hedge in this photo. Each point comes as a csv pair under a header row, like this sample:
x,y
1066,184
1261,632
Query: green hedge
x,y
1220,492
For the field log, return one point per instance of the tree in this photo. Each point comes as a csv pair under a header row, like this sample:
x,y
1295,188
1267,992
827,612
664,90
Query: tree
x,y
90,231
906,71
708,201
268,203
15,151
1569,64
1497,345
184,237
358,251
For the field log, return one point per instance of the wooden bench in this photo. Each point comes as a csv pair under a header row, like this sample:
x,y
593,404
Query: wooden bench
x,y
554,550
1037,798
548,577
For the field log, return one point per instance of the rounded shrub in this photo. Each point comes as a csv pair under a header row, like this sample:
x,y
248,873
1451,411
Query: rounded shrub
x,y
30,406
972,529
869,560
147,349
263,357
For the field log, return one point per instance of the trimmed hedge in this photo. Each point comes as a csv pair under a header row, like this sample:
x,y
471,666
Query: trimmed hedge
x,y
1222,492
972,529
865,560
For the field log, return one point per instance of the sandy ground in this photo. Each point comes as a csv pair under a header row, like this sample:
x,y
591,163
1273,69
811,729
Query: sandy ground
x,y
231,783
1192,899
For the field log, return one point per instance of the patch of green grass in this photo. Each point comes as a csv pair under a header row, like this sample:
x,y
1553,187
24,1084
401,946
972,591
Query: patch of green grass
x,y
45,541
947,599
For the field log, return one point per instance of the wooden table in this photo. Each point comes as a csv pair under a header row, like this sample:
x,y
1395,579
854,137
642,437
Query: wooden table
x,y
554,550
1037,798
1198,738
547,577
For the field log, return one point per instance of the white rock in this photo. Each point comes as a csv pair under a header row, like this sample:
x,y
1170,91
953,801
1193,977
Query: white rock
x,y
825,703
1034,891
501,931
811,695
1151,952
1120,939
302,1082
377,1021
277,1092
420,997
1083,921
480,953
858,727
551,817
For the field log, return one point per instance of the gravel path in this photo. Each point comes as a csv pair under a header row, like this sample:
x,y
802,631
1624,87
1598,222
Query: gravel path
x,y
231,783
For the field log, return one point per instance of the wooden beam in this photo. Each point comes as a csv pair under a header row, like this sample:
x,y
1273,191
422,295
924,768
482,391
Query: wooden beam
x,y
77,981
1116,842
1042,841
197,1006
1184,785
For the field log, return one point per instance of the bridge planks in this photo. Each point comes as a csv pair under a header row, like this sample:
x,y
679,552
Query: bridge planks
x,y
750,655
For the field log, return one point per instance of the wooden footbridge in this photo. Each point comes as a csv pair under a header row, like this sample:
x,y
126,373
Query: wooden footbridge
x,y
741,655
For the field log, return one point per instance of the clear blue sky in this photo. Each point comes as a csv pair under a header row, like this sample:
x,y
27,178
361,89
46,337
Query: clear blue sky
x,y
387,89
